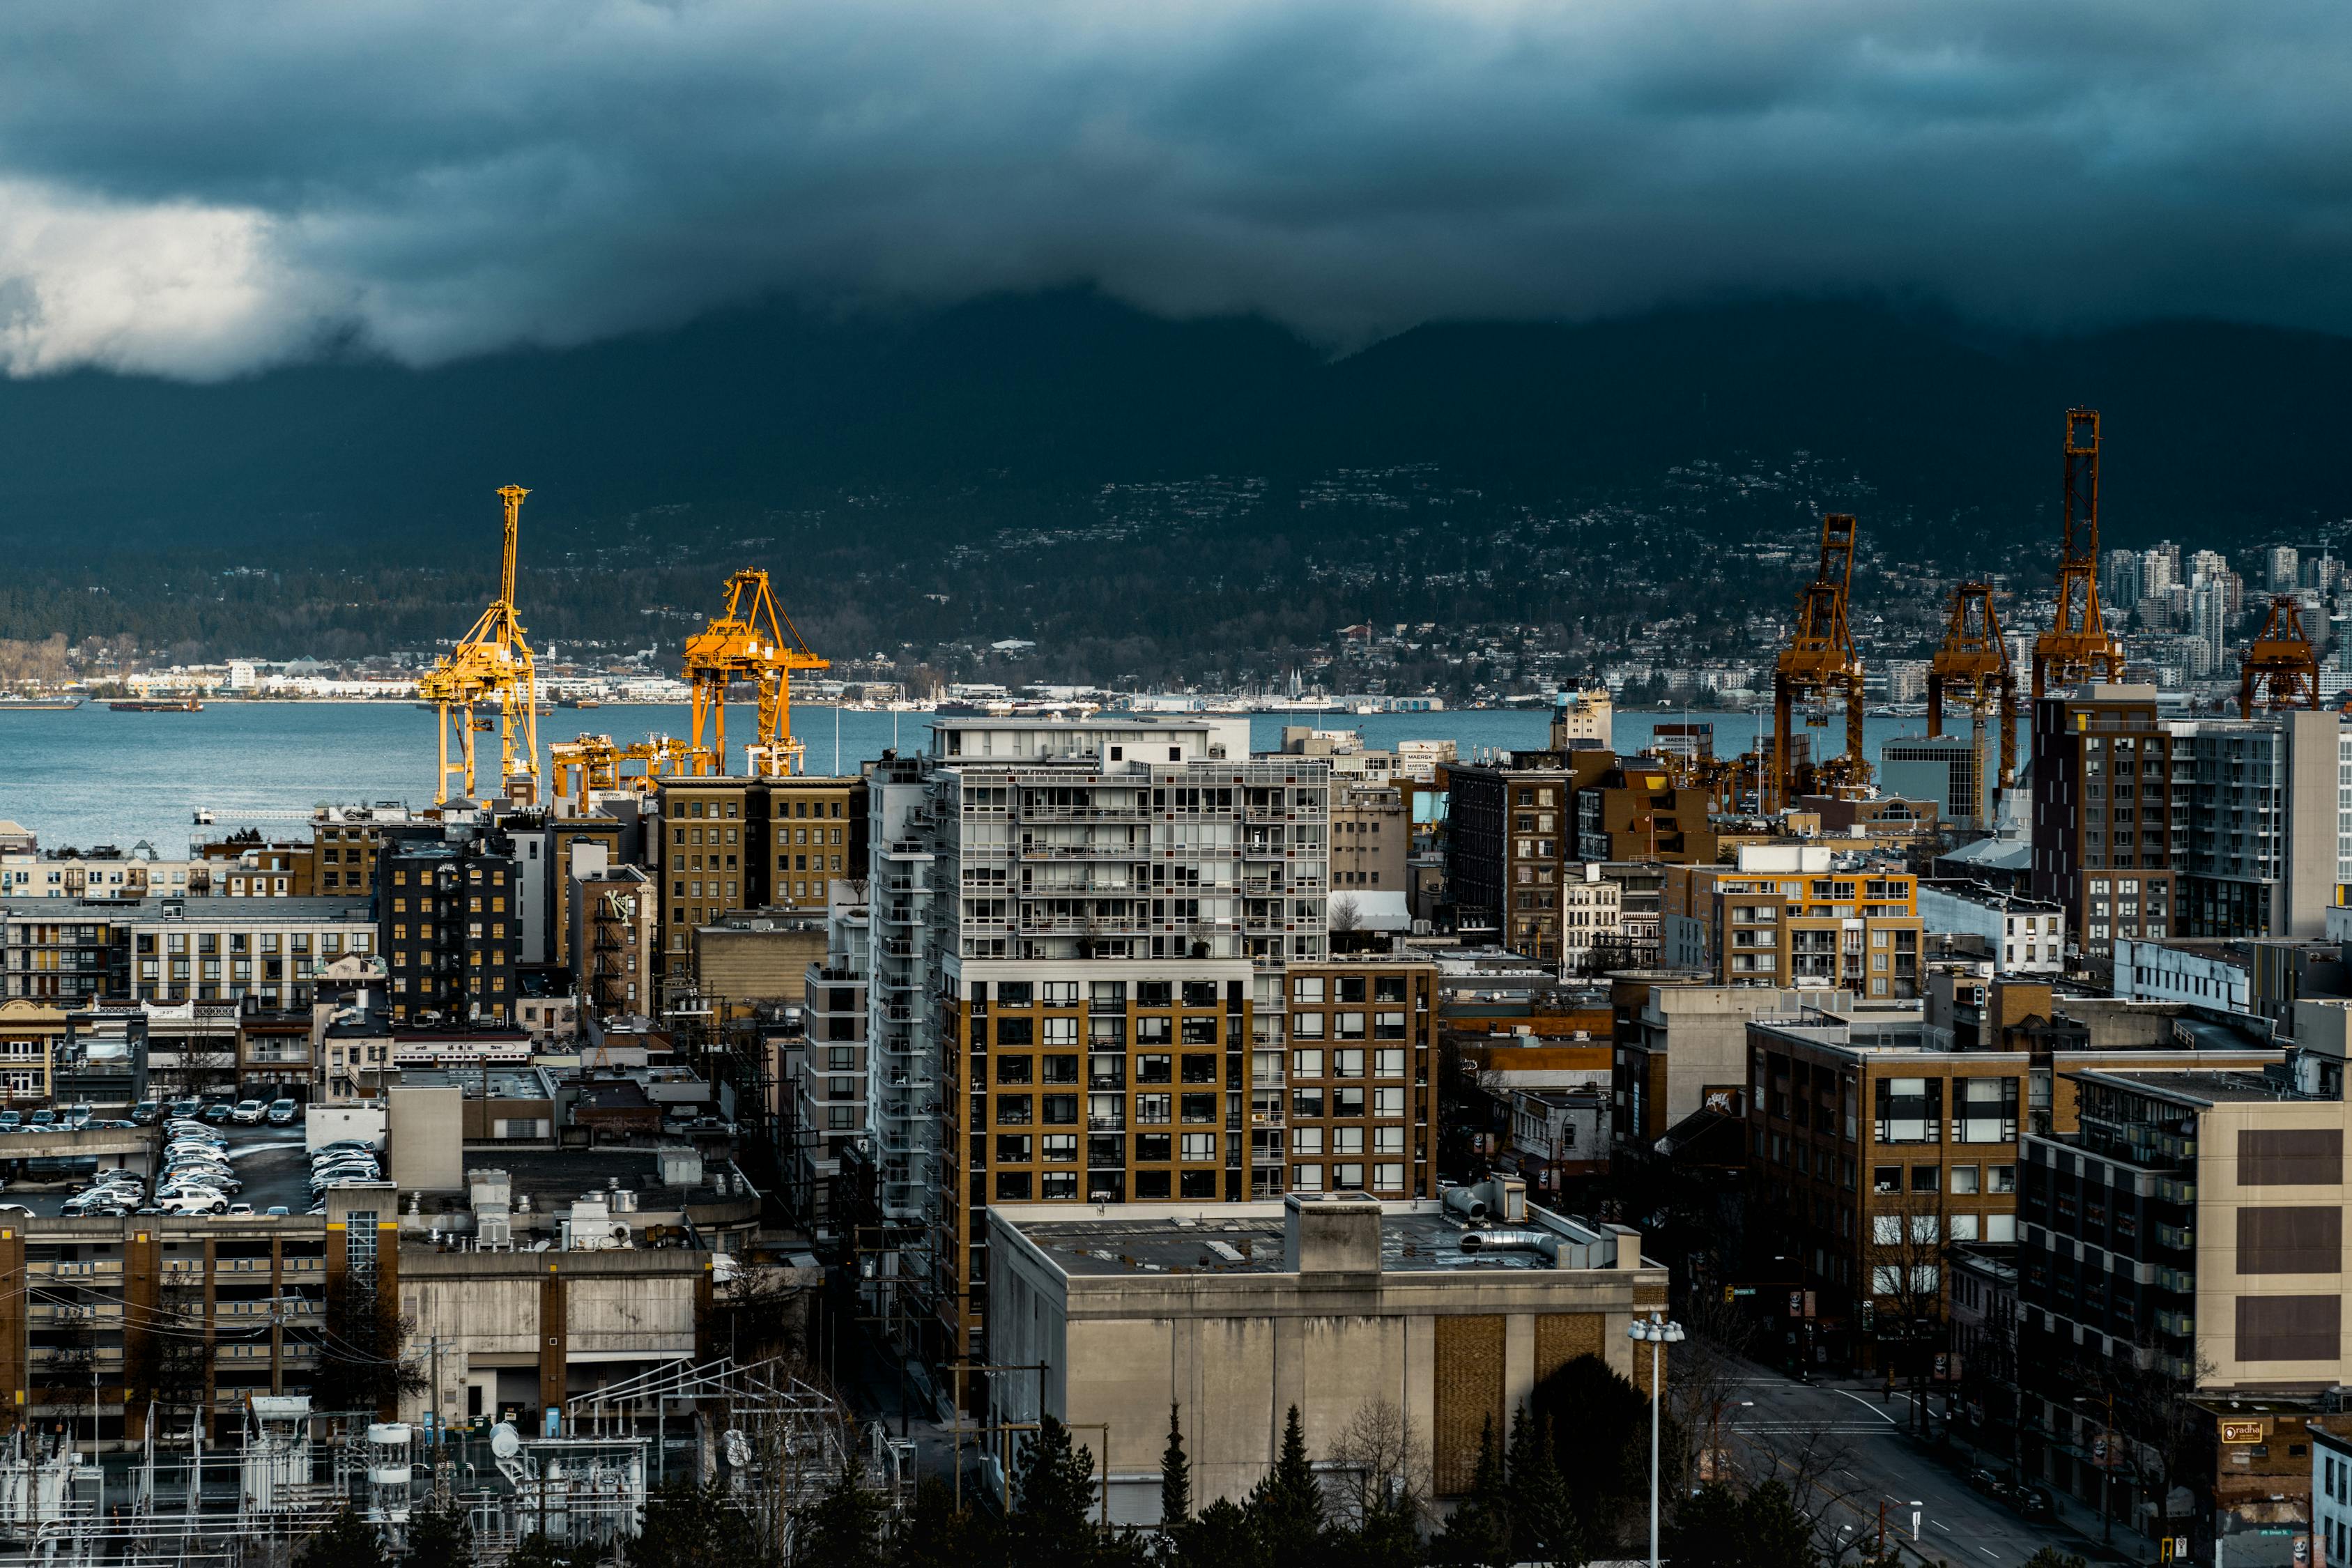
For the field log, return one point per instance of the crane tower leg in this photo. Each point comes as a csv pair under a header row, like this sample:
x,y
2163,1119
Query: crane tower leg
x,y
1934,705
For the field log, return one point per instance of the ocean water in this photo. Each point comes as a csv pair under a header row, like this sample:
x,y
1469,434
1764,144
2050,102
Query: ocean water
x,y
94,776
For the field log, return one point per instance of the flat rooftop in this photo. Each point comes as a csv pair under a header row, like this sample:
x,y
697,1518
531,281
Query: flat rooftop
x,y
2207,1087
200,908
1232,1238
504,1083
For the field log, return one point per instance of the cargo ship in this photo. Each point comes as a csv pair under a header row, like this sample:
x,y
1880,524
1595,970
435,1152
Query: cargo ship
x,y
39,704
157,705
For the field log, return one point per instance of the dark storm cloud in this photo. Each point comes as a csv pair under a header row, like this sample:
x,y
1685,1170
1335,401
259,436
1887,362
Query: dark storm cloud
x,y
202,187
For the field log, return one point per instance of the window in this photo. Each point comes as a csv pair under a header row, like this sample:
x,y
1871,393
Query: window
x,y
1155,1067
2000,1179
1061,1031
1305,1178
1347,1064
1306,1026
1926,1178
1306,988
1151,1148
1348,1025
1012,1110
1387,1102
1062,1148
1306,1064
1387,1178
1306,1104
1198,1108
1963,1227
1013,1186
1154,1108
1910,1109
1013,1149
1964,1179
1015,1069
1058,1185
1387,1063
1307,1140
1887,1178
1015,1031
1200,1147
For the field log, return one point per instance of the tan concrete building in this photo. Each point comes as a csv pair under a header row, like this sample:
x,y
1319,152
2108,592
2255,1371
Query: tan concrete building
x,y
1235,1313
723,844
758,955
1369,838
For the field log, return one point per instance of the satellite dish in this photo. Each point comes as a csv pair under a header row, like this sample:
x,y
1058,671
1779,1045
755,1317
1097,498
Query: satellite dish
x,y
504,1444
739,1448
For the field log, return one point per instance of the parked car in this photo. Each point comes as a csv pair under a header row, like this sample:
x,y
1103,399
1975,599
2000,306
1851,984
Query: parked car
x,y
218,1111
278,1211
2034,1502
193,1203
10,1119
282,1113
147,1112
45,1120
241,1210
187,1108
248,1113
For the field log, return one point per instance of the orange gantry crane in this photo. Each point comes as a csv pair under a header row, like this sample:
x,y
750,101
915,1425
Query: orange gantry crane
x,y
1973,665
596,762
2077,647
749,640
2281,671
1818,665
491,665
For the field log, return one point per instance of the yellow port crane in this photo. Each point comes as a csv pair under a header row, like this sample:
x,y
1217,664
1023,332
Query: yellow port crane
x,y
491,665
1818,665
1973,665
595,762
750,640
2077,646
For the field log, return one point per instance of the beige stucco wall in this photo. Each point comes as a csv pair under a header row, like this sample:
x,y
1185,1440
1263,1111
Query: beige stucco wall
x,y
1234,1351
2221,1194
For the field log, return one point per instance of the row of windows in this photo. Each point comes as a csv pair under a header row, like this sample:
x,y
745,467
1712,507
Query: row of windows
x,y
264,943
424,878
1062,1148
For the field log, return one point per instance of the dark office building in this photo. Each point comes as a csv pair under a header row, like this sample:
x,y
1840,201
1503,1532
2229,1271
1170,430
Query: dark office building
x,y
448,922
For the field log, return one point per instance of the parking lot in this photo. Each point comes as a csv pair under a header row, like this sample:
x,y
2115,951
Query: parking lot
x,y
269,1161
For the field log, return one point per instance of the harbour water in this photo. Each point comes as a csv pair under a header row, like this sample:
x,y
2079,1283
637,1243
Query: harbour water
x,y
92,776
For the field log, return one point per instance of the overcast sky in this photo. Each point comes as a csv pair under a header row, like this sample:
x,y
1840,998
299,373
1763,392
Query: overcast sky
x,y
202,187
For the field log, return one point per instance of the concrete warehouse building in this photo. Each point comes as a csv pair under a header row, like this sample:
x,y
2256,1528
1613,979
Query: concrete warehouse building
x,y
1235,1313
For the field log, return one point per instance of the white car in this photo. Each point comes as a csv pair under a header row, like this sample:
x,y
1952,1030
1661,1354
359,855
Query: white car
x,y
249,1113
193,1203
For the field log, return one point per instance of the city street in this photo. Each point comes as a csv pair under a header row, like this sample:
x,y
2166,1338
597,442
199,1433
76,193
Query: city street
x,y
1858,1449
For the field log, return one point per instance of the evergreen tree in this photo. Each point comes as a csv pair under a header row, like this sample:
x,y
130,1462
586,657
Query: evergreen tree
x,y
440,1535
1053,1496
1479,1533
1544,1526
1775,1535
347,1541
1287,1506
1222,1537
845,1528
933,1533
1175,1477
538,1551
691,1526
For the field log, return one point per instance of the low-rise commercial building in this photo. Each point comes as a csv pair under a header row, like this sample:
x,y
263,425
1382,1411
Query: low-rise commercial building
x,y
2016,934
1334,1304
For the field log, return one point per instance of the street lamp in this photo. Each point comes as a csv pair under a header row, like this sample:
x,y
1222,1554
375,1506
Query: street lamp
x,y
1660,1333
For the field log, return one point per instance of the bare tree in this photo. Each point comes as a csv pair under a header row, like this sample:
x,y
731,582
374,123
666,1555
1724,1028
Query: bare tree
x,y
1903,1277
2149,1412
1709,1364
1344,914
1382,1462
